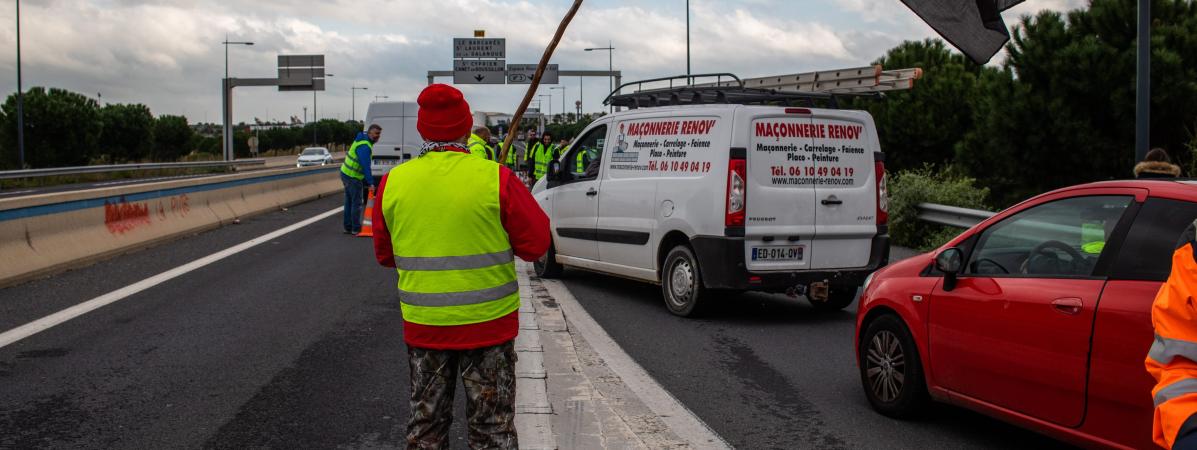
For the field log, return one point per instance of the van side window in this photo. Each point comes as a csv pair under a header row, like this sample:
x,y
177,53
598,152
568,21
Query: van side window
x,y
1147,253
585,155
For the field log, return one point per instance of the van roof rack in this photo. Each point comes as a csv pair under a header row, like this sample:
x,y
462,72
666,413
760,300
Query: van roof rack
x,y
726,89
800,89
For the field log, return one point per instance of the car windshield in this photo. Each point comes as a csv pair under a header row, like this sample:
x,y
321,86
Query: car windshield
x,y
313,151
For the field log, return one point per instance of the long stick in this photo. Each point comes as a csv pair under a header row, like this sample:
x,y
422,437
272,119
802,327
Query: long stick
x,y
544,62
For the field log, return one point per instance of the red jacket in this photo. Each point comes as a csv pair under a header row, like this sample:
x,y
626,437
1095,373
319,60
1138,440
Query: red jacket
x,y
528,229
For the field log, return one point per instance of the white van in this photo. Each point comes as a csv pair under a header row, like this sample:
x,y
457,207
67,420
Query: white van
x,y
400,141
709,200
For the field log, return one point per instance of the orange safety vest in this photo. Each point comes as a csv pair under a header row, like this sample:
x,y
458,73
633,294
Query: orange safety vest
x,y
1172,360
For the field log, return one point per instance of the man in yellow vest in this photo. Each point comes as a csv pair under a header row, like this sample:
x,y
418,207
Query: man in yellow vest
x,y
356,176
479,143
452,225
540,155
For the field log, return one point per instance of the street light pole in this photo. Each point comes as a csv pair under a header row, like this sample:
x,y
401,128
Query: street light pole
x,y
610,66
562,88
20,98
353,101
1143,83
688,79
315,119
227,96
549,105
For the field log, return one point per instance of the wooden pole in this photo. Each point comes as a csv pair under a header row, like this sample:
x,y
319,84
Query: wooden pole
x,y
544,62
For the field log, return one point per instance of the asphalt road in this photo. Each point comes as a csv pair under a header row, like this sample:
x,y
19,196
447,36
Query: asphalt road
x,y
767,371
295,343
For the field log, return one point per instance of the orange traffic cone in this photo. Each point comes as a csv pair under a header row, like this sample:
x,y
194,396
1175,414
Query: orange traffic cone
x,y
367,223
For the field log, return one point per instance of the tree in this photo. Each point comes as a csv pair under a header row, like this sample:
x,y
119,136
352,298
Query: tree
x,y
923,125
1061,111
128,133
172,136
62,128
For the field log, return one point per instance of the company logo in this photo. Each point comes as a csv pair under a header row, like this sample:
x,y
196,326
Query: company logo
x,y
621,153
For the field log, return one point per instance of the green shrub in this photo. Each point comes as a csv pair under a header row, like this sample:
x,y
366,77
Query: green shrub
x,y
908,188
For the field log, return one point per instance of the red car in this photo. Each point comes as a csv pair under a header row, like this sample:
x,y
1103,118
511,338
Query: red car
x,y
1040,315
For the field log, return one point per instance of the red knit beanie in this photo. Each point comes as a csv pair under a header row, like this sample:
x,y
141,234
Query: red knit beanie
x,y
444,114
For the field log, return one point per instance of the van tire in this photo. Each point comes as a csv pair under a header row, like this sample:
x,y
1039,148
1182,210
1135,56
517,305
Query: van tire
x,y
681,283
894,348
838,299
547,266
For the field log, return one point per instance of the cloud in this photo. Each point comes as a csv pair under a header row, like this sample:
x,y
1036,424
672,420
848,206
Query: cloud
x,y
167,53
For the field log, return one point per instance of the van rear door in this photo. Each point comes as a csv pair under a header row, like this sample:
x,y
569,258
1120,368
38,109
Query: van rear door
x,y
781,203
846,188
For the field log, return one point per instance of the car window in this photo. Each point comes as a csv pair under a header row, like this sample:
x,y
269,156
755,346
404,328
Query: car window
x,y
582,161
313,151
1064,238
1146,254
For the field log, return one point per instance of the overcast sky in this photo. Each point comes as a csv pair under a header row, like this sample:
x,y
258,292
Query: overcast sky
x,y
167,53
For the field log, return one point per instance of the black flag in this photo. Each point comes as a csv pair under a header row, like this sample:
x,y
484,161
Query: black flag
x,y
974,27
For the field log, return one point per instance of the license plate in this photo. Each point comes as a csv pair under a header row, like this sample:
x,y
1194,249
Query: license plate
x,y
791,253
385,162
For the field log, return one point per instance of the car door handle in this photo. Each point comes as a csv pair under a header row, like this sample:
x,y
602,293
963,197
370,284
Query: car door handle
x,y
1070,306
832,201
592,192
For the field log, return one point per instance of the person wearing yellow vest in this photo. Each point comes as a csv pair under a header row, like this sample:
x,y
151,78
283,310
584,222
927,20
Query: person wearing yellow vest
x,y
540,155
479,143
452,225
356,176
1172,360
511,158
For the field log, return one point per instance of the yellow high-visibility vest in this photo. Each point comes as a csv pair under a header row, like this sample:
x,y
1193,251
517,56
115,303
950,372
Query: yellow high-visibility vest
x,y
454,258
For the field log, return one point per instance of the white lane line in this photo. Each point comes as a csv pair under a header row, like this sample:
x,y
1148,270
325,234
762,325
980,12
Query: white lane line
x,y
680,419
16,334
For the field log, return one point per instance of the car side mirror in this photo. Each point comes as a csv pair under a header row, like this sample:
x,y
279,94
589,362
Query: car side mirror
x,y
950,262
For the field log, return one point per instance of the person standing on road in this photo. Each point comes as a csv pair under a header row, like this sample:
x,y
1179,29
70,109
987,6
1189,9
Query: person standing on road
x,y
356,177
479,143
1172,360
1157,164
540,155
452,224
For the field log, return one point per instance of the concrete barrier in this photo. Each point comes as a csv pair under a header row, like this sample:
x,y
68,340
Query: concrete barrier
x,y
44,234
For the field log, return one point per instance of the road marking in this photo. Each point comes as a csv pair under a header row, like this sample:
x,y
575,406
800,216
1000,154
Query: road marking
x,y
16,334
684,423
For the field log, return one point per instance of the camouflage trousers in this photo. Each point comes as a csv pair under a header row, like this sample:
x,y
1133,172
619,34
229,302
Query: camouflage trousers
x,y
488,375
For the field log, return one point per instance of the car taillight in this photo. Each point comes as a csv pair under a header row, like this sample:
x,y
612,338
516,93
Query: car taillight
x,y
882,195
736,193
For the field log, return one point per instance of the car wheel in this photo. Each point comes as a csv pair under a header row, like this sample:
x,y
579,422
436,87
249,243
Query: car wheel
x,y
838,298
891,370
681,283
547,266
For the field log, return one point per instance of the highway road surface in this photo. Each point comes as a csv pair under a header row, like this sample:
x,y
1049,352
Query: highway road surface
x,y
297,343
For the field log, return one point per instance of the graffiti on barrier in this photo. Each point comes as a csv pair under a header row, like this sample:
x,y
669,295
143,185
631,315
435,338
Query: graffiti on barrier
x,y
122,217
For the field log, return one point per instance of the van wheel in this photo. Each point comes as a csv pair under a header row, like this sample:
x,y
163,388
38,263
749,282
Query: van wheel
x,y
681,283
891,370
547,266
839,298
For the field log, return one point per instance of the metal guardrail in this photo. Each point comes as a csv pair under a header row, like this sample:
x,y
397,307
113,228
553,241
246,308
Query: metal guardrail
x,y
55,171
951,215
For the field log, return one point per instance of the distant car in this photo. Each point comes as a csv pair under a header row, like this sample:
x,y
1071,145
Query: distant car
x,y
314,156
1040,315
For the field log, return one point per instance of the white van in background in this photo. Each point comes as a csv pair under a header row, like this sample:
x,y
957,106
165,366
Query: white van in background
x,y
400,141
708,200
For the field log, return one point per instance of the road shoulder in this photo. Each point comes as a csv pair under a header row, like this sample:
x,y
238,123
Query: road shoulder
x,y
596,396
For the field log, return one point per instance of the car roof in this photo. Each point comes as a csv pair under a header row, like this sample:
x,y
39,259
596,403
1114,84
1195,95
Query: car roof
x,y
1174,188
